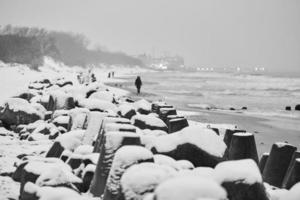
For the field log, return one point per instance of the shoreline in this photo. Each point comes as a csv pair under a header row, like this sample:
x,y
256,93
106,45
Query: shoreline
x,y
267,129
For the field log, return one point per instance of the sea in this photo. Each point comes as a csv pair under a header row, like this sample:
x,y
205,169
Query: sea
x,y
262,94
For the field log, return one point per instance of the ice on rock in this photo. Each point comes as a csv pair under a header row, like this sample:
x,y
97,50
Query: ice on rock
x,y
143,178
189,188
245,171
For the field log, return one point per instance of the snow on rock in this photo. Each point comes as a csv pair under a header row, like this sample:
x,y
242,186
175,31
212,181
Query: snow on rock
x,y
149,122
19,111
127,110
103,95
142,106
165,160
184,164
71,140
143,178
57,175
84,149
119,127
203,138
124,158
189,188
51,193
78,117
96,104
245,171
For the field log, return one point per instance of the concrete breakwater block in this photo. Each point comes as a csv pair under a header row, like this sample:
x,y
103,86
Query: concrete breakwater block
x,y
133,188
263,161
111,143
292,175
149,122
229,133
157,105
125,157
241,179
165,112
278,163
68,141
107,120
200,146
243,146
177,124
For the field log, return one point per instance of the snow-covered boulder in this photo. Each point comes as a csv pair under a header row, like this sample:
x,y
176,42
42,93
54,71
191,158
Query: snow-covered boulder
x,y
143,178
149,122
18,111
177,124
63,121
241,179
79,117
293,193
189,188
196,144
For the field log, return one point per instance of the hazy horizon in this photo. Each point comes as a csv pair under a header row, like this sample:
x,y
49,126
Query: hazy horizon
x,y
213,33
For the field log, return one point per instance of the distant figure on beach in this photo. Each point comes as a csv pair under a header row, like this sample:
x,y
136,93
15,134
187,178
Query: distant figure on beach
x,y
138,84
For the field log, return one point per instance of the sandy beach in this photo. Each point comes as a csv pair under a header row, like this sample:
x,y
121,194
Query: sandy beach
x,y
267,129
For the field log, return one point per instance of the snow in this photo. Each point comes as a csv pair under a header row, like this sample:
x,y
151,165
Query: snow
x,y
293,194
189,188
96,104
282,144
143,178
94,126
184,164
245,171
114,139
165,160
243,134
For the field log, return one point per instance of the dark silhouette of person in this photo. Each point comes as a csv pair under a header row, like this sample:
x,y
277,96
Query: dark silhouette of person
x,y
138,84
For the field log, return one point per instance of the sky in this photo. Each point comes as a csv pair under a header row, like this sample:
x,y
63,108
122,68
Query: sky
x,y
212,33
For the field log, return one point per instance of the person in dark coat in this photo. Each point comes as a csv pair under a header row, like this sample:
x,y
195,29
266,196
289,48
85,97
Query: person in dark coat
x,y
138,84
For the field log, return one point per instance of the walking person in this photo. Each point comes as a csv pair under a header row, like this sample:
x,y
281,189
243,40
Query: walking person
x,y
138,84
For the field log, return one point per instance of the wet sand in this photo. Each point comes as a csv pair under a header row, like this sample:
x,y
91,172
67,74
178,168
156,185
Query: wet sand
x,y
267,130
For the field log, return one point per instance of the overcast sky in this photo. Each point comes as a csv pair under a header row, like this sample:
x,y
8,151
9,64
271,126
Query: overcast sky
x,y
205,32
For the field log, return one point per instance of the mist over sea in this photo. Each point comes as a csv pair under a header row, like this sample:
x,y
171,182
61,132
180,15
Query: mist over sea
x,y
262,94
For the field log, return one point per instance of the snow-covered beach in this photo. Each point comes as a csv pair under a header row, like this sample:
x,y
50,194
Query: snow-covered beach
x,y
212,181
